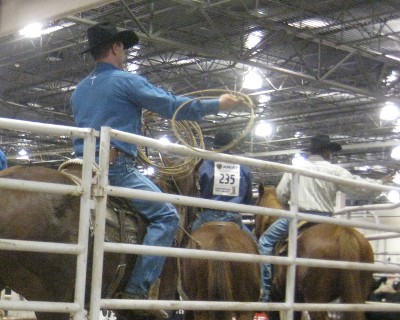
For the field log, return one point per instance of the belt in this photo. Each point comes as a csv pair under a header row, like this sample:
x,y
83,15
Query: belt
x,y
115,153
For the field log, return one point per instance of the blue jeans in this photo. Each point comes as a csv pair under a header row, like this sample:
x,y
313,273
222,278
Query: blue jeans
x,y
163,222
276,231
209,215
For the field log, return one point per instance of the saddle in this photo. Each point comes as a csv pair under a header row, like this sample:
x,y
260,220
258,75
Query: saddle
x,y
281,247
123,223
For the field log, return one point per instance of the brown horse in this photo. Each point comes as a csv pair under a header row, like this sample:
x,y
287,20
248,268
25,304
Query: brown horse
x,y
322,285
37,216
213,280
266,198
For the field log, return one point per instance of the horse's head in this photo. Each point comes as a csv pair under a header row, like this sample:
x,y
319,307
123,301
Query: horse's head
x,y
266,198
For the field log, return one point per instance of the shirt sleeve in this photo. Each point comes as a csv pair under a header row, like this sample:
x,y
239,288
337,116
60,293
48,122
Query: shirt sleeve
x,y
163,102
283,188
343,173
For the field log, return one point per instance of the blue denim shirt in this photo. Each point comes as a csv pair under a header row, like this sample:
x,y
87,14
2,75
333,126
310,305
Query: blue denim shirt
x,y
111,97
3,160
206,181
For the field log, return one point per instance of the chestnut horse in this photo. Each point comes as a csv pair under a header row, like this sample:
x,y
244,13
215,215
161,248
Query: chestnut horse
x,y
322,285
213,280
37,216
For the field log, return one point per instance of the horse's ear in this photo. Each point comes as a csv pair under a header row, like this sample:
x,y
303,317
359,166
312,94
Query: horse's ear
x,y
260,189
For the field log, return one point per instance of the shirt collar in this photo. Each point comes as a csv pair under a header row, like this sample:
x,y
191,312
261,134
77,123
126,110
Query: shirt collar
x,y
104,66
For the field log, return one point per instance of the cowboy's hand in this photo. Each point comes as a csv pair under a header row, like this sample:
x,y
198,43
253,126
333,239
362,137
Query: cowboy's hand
x,y
228,101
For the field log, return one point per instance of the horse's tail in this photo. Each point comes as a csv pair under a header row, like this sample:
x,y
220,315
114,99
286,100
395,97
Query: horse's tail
x,y
355,247
220,278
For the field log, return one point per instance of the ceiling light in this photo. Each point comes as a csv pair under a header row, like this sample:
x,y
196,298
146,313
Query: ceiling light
x,y
298,160
149,171
23,154
393,196
396,153
252,80
396,178
164,140
33,30
389,112
263,129
253,39
392,77
311,23
264,98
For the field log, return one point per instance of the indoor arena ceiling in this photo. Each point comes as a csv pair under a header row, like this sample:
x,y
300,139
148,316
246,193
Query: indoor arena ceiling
x,y
327,66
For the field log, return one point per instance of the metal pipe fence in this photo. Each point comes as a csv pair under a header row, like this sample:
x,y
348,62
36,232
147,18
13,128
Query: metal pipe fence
x,y
80,249
95,193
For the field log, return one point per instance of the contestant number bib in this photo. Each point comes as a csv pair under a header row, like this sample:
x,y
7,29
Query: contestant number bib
x,y
226,179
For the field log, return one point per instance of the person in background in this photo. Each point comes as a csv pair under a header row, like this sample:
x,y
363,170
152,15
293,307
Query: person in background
x,y
3,160
224,181
109,96
315,197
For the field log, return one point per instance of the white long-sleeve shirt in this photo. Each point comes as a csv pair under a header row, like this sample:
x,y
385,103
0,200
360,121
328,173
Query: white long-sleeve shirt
x,y
316,194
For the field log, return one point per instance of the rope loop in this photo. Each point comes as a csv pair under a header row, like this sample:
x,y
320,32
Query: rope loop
x,y
190,134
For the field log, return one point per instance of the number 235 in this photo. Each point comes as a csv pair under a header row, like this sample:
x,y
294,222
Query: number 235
x,y
227,178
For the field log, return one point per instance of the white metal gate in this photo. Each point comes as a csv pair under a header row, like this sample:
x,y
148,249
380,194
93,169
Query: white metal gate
x,y
101,190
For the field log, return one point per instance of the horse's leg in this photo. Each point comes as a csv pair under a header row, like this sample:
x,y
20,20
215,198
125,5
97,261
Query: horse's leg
x,y
321,291
354,283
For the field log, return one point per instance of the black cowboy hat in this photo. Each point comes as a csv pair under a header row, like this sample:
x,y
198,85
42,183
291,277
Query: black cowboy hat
x,y
106,32
222,138
323,142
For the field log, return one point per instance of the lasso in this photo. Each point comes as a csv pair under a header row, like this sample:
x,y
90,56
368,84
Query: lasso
x,y
187,131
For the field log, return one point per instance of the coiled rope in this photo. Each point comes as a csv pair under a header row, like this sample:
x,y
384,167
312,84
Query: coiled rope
x,y
190,134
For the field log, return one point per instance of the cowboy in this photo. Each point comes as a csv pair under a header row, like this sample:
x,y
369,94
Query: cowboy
x,y
111,97
315,197
223,181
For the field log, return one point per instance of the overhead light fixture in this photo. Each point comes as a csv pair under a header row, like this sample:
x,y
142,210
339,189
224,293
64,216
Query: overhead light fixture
x,y
396,153
252,80
23,155
164,140
149,171
396,178
393,196
311,23
263,129
33,30
264,98
253,39
394,75
389,112
298,160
